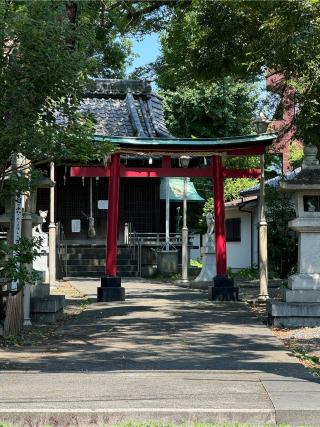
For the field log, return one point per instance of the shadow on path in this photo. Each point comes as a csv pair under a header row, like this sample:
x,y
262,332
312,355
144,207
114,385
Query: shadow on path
x,y
159,327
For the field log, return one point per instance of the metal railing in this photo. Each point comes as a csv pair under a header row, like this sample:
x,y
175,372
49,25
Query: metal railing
x,y
155,239
62,251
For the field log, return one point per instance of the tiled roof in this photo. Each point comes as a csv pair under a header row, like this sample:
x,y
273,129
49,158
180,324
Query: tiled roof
x,y
272,183
239,202
125,108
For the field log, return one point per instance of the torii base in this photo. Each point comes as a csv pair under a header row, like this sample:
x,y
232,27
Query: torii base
x,y
223,289
110,289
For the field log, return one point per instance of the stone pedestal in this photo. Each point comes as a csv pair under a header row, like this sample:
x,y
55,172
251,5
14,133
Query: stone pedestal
x,y
208,252
41,264
167,262
48,309
110,289
300,304
223,289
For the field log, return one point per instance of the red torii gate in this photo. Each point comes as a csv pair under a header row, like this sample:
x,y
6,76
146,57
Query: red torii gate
x,y
216,148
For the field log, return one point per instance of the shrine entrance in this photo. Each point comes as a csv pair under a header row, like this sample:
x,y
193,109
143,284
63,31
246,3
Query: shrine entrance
x,y
169,149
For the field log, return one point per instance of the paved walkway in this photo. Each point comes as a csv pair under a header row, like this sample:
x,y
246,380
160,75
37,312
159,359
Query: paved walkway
x,y
166,353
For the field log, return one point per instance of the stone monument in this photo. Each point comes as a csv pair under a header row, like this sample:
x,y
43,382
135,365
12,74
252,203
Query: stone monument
x,y
300,305
208,252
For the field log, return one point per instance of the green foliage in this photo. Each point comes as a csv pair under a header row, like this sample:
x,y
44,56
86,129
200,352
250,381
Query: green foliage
x,y
232,187
207,110
282,242
207,207
245,273
295,154
213,110
195,263
49,50
213,39
14,259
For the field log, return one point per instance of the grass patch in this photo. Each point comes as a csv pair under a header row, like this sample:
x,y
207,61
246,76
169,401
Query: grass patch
x,y
244,274
310,361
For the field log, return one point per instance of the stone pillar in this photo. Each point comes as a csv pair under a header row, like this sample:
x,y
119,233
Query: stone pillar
x,y
52,230
263,238
26,232
185,255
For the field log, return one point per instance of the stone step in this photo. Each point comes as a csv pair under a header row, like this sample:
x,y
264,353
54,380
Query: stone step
x,y
302,296
85,268
40,291
95,254
293,314
304,281
128,274
87,261
95,274
86,255
49,304
127,268
127,262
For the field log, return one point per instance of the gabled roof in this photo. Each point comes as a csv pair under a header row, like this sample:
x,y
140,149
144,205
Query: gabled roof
x,y
125,108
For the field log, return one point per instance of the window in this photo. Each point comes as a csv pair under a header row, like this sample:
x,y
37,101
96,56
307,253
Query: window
x,y
233,230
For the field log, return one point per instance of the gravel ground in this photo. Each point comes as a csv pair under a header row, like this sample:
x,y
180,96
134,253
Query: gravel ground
x,y
39,333
303,342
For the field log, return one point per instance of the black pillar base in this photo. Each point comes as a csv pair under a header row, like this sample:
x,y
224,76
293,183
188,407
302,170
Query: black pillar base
x,y
223,289
110,289
110,282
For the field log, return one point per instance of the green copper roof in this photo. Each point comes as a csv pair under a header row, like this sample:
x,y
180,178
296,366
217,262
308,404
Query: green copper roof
x,y
237,141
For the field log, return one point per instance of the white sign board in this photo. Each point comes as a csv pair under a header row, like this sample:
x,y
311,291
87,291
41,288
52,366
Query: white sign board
x,y
75,225
102,204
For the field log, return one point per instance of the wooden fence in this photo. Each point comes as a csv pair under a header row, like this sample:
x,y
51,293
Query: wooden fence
x,y
14,314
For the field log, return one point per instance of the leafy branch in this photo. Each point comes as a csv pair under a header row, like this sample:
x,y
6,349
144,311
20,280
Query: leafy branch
x,y
16,258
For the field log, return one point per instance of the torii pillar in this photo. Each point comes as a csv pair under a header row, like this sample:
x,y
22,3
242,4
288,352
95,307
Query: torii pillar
x,y
111,289
223,287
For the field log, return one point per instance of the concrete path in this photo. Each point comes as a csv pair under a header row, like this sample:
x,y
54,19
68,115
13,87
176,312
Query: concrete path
x,y
166,354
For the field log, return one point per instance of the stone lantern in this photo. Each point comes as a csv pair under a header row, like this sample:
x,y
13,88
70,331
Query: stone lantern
x,y
300,305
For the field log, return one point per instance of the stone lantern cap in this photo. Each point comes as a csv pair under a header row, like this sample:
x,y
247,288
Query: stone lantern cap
x,y
309,176
306,192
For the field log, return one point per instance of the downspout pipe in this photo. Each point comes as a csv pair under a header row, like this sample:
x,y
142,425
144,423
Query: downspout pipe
x,y
251,229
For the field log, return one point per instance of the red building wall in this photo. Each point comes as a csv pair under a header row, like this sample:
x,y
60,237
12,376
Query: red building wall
x,y
285,125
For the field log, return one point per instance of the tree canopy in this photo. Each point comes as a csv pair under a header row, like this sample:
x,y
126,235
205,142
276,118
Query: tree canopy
x,y
207,110
241,38
50,49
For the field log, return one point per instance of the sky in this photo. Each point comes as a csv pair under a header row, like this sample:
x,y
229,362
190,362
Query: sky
x,y
147,49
